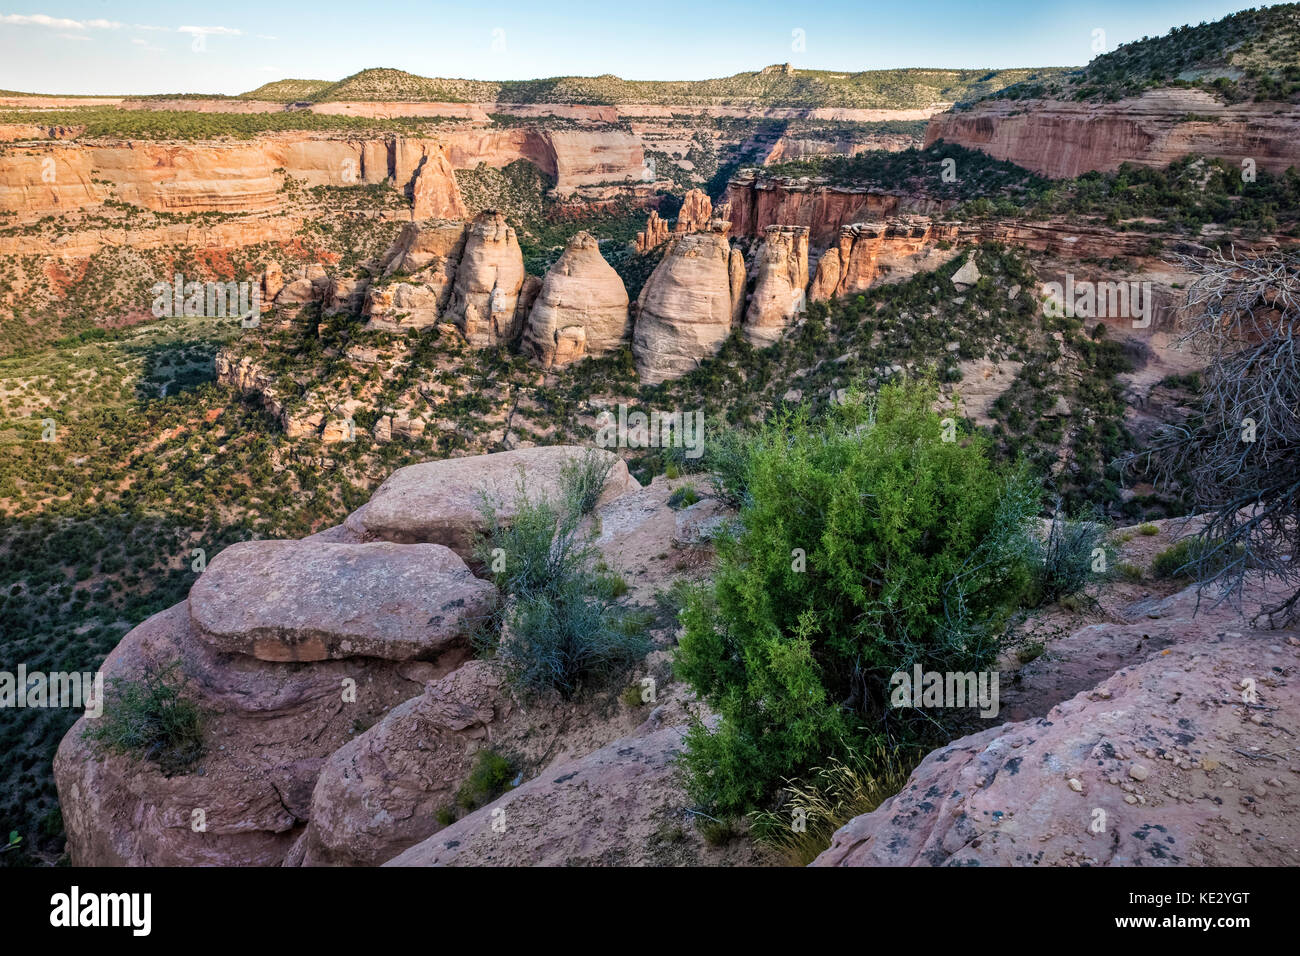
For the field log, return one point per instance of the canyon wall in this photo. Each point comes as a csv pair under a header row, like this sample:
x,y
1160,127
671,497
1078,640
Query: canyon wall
x,y
759,201
1064,139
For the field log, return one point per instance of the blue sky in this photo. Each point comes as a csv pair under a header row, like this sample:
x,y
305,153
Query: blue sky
x,y
98,46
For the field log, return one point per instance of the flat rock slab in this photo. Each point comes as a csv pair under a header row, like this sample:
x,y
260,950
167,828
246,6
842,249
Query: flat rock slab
x,y
442,501
1163,764
316,601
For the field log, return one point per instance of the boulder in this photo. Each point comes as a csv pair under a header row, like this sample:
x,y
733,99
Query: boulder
x,y
621,805
441,501
267,729
779,290
685,310
381,792
314,601
582,308
485,297
1165,763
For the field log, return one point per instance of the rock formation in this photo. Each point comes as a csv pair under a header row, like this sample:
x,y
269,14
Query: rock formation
x,y
441,501
271,726
485,297
870,252
780,289
382,792
582,308
434,194
686,309
1065,138
696,213
311,601
1146,769
610,807
654,234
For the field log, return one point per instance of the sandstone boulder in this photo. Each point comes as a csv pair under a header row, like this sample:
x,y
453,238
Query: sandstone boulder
x,y
582,308
313,601
267,730
619,806
381,792
1162,764
685,310
485,298
441,501
779,290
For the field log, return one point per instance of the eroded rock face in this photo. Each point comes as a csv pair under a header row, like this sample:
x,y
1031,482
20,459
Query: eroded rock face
x,y
441,501
485,298
605,808
654,234
429,253
434,194
1156,748
1064,139
884,251
381,792
582,308
314,601
696,212
779,292
269,728
685,310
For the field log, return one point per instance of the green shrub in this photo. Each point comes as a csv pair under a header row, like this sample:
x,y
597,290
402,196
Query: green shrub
x,y
489,778
868,544
564,626
1148,529
1069,559
683,497
1194,558
583,478
151,719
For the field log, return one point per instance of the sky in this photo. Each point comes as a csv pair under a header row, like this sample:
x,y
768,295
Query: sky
x,y
99,46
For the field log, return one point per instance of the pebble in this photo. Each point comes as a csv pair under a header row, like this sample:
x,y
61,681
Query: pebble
x,y
1076,785
1129,798
1138,772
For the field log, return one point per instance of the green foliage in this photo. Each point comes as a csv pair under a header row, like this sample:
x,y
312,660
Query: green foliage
x,y
868,545
1068,559
564,626
683,497
773,86
151,719
488,779
1250,54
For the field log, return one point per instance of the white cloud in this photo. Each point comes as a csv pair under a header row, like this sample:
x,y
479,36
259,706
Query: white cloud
x,y
72,36
56,23
211,31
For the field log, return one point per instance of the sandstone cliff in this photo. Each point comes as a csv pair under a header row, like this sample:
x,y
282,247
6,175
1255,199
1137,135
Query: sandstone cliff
x,y
582,308
1064,139
868,252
